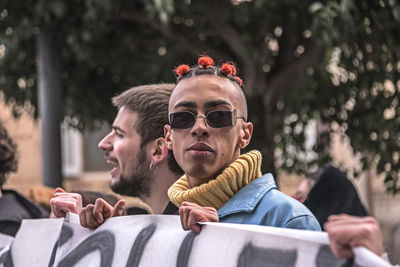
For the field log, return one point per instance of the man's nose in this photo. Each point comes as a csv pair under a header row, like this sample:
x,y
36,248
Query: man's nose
x,y
105,143
200,127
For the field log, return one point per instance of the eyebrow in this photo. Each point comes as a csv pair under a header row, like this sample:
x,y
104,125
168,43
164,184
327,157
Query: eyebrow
x,y
116,128
216,103
186,104
209,104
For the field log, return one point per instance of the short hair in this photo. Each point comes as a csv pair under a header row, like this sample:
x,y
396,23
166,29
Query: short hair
x,y
206,66
8,155
151,104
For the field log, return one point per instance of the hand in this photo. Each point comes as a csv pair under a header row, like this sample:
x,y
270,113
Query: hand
x,y
192,213
346,232
92,216
64,202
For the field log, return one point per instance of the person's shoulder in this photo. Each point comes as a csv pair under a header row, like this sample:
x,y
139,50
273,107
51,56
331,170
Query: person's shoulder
x,y
16,199
292,213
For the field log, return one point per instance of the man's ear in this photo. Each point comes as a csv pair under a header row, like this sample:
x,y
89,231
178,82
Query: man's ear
x,y
245,136
167,134
159,151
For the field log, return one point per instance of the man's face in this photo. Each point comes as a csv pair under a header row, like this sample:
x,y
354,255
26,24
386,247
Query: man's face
x,y
202,151
131,175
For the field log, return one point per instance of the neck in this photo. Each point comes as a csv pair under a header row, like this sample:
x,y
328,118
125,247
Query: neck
x,y
158,197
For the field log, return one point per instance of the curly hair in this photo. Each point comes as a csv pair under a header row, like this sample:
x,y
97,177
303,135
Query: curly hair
x,y
8,155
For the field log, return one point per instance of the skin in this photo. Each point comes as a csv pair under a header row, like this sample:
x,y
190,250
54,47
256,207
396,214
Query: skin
x,y
92,216
303,190
346,232
64,202
191,213
220,146
122,146
204,152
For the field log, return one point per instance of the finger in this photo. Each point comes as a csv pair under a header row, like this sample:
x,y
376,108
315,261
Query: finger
x,y
192,221
99,211
118,209
90,219
341,250
59,190
82,218
65,204
183,216
189,204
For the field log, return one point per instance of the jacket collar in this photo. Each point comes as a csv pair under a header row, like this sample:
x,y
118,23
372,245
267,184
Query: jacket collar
x,y
246,199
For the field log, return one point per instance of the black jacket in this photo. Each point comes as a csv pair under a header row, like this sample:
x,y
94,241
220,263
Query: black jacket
x,y
14,208
332,194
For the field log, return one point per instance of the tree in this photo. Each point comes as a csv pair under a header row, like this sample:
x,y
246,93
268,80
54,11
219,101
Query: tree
x,y
334,61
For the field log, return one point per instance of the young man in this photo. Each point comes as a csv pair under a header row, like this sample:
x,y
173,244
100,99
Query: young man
x,y
143,165
208,128
13,206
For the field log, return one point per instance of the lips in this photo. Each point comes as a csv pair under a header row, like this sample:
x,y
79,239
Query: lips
x,y
200,147
200,150
115,172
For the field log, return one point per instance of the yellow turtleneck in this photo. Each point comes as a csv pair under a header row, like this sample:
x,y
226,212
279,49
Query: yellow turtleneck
x,y
216,192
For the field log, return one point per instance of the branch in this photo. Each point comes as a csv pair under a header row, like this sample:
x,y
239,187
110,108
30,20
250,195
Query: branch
x,y
289,74
192,45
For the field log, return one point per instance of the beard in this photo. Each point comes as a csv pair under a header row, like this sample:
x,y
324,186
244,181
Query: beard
x,y
137,183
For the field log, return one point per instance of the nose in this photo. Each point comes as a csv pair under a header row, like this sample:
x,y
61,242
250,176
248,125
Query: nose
x,y
105,143
200,127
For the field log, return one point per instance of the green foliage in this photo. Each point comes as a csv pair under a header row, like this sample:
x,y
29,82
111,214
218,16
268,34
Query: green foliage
x,y
333,61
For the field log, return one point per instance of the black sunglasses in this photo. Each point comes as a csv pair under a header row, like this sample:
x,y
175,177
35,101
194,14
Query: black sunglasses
x,y
214,119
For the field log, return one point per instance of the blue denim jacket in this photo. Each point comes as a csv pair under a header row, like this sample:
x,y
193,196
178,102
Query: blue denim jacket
x,y
261,203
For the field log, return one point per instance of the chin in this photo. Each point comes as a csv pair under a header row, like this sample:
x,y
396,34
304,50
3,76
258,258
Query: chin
x,y
199,172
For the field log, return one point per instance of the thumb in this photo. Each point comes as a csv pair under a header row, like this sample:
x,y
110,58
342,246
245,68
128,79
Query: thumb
x,y
119,208
59,190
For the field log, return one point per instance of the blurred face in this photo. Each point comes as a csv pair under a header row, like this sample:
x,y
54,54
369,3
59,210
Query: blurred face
x,y
303,190
203,151
131,175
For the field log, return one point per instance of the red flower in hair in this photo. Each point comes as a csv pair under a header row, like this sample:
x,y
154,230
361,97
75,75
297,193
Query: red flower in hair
x,y
240,82
228,69
205,62
182,69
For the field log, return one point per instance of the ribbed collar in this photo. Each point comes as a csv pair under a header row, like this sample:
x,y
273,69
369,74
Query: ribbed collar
x,y
219,190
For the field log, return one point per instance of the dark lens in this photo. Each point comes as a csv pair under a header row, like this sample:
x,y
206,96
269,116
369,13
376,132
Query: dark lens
x,y
219,118
182,120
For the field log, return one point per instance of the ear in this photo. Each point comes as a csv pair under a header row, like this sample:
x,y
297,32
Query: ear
x,y
167,134
159,151
245,135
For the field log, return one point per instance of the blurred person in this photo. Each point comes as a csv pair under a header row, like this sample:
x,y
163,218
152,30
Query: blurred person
x,y
327,192
13,206
207,130
143,165
346,232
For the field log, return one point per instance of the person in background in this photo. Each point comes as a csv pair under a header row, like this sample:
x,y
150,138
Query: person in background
x,y
327,192
142,164
13,206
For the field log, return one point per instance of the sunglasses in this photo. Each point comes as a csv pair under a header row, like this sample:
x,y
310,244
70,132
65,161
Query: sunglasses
x,y
214,119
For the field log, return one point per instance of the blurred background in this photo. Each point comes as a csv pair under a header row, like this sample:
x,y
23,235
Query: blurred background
x,y
322,81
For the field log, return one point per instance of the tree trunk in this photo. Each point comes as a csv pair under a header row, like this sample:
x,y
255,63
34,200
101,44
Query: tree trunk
x,y
49,93
263,134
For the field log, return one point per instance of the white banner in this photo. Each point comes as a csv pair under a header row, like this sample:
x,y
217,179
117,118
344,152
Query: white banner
x,y
158,240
